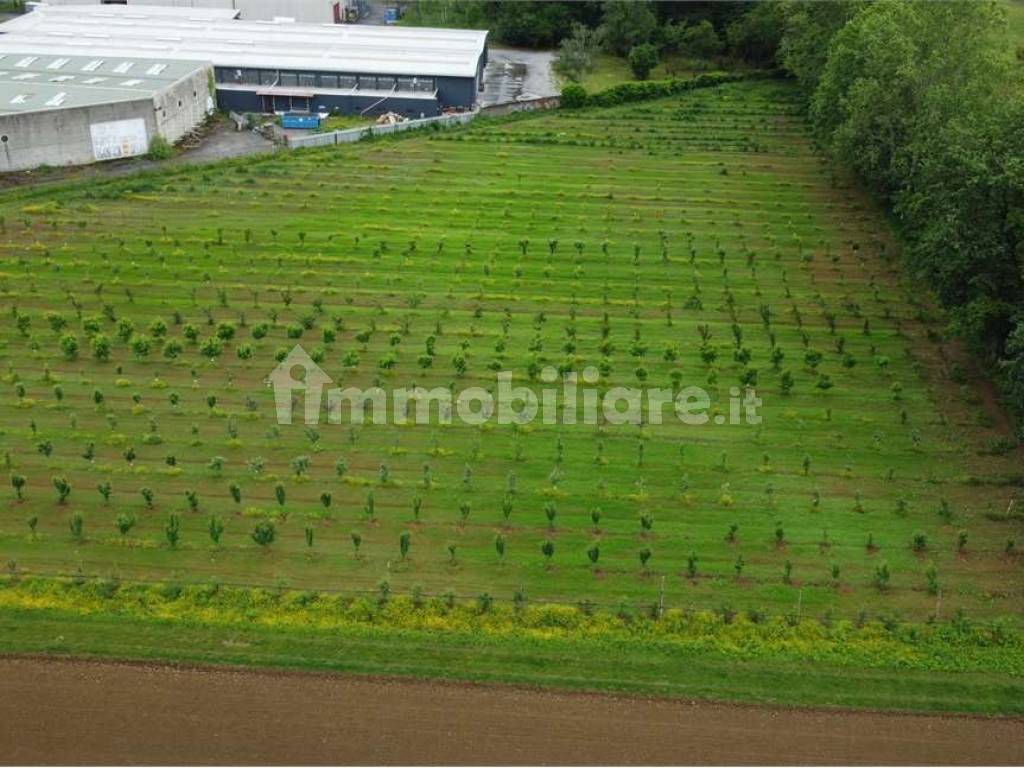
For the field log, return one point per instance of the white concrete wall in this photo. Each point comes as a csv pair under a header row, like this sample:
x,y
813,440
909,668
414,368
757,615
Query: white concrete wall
x,y
184,105
62,136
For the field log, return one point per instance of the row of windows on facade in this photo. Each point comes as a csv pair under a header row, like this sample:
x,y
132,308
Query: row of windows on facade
x,y
323,80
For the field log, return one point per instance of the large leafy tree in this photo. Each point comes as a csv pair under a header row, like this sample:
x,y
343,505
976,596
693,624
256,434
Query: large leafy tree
x,y
756,35
627,23
809,29
923,101
896,73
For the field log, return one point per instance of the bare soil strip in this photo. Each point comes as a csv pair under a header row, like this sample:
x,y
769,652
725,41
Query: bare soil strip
x,y
67,711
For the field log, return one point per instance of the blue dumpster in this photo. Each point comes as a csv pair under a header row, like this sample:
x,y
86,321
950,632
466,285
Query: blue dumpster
x,y
299,120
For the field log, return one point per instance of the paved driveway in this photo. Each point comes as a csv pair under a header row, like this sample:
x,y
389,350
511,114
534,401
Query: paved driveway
x,y
514,74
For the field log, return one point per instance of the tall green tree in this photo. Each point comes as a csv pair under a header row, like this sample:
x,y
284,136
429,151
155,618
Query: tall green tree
x,y
626,23
809,29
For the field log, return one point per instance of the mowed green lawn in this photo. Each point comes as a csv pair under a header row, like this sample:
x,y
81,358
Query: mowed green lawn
x,y
510,243
612,70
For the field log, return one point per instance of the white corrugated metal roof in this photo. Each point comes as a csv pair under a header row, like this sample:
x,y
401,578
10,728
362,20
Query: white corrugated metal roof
x,y
155,32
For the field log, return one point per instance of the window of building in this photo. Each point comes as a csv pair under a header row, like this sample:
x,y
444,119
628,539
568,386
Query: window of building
x,y
385,83
307,79
328,81
268,77
347,81
289,79
424,84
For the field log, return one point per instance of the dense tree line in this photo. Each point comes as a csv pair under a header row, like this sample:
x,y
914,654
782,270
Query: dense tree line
x,y
545,23
924,101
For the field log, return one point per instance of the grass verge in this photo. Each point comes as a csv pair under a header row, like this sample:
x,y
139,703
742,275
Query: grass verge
x,y
947,667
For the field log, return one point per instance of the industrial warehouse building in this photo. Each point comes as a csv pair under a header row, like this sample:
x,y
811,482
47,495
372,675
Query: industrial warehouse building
x,y
274,66
73,109
309,11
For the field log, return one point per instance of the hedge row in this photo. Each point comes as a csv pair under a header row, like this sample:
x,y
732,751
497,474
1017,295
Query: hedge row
x,y
575,96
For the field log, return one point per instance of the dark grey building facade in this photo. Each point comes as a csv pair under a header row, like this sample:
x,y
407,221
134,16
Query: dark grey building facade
x,y
288,90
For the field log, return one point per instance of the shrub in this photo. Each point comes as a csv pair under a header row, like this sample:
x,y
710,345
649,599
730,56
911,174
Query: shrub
x,y
548,550
76,524
172,530
100,346
882,577
644,554
642,59
69,346
264,533
931,576
63,489
160,148
215,528
124,523
574,96
18,483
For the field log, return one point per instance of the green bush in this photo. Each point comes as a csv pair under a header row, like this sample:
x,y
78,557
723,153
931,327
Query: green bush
x,y
642,59
159,148
574,95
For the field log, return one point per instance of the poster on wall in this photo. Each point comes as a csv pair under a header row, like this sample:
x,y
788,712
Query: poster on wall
x,y
119,138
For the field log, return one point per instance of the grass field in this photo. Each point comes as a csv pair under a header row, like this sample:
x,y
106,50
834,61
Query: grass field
x,y
513,244
612,70
643,666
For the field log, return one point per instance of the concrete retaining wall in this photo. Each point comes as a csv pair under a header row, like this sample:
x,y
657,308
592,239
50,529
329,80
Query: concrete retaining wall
x,y
526,105
357,134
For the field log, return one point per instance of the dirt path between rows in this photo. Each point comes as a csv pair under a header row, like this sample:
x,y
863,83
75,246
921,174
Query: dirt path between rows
x,y
57,711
